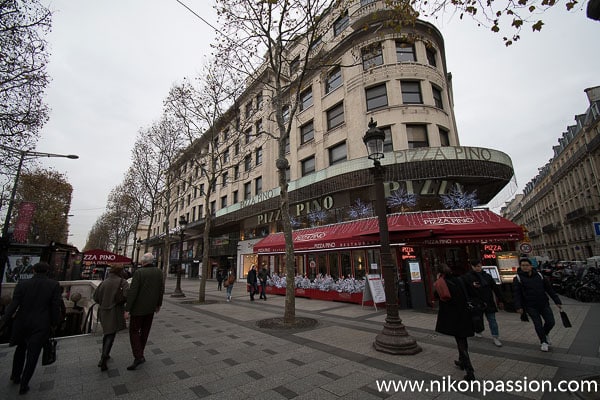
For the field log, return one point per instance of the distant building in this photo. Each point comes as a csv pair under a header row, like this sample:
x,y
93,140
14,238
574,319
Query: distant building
x,y
559,206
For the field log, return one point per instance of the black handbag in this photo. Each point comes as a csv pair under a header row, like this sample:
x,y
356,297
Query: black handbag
x,y
49,352
565,319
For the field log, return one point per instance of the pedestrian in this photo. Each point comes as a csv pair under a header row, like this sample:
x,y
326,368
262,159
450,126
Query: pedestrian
x,y
36,302
263,276
252,281
530,289
144,298
229,282
454,319
481,285
111,296
219,279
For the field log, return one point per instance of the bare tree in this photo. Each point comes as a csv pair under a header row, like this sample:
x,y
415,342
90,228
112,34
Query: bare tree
x,y
213,141
99,236
274,43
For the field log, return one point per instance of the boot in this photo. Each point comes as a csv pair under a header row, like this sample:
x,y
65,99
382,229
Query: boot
x,y
102,365
470,376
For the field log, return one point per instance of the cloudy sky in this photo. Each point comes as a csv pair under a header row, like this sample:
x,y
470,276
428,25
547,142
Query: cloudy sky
x,y
113,63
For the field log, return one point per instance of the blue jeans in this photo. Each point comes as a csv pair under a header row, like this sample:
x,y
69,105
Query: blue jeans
x,y
536,315
491,318
229,289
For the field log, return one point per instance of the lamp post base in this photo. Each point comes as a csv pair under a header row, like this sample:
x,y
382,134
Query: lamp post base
x,y
177,293
394,339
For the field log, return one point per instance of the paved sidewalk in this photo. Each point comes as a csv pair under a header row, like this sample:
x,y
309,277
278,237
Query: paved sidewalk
x,y
216,351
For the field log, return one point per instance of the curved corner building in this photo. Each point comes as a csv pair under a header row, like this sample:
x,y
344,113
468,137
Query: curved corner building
x,y
399,79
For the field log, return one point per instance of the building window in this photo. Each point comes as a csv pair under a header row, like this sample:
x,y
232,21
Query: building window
x,y
307,132
235,197
316,42
258,185
259,101
236,172
223,201
200,212
236,148
248,135
411,92
226,156
376,97
334,79
288,174
431,56
306,99
444,137
372,56
247,163
335,116
366,2
193,213
405,52
341,23
388,143
308,165
259,155
224,178
437,97
338,153
286,113
259,127
247,190
417,136
225,135
202,189
248,110
294,65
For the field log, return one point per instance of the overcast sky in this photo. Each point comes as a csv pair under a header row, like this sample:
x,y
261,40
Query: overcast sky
x,y
113,63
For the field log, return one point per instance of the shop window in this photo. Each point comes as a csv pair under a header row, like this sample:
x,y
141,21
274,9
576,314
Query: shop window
x,y
321,268
335,116
360,263
411,92
338,153
376,97
417,136
345,264
372,56
437,97
405,52
334,79
307,132
334,269
308,165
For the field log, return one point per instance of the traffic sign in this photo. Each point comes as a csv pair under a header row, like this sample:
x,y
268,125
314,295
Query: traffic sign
x,y
597,231
525,248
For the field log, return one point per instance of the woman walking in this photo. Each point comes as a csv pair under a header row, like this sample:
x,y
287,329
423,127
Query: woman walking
x,y
229,282
111,296
455,320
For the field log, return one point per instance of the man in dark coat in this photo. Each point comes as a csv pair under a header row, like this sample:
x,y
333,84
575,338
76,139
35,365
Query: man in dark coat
x,y
37,302
144,298
263,276
455,320
252,281
481,285
530,289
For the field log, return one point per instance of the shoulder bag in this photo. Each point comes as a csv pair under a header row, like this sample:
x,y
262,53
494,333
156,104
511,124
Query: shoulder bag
x,y
49,352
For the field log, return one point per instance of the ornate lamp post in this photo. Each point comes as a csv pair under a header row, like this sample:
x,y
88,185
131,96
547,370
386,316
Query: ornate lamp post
x,y
394,338
137,254
182,225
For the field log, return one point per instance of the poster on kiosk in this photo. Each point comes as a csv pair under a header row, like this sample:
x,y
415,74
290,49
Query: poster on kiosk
x,y
416,289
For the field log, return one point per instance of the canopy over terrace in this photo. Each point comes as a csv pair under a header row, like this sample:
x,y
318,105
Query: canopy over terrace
x,y
433,227
98,256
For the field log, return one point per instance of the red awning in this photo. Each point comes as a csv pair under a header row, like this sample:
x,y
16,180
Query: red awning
x,y
433,227
342,235
98,256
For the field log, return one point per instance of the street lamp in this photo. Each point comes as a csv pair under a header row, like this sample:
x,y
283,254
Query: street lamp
x,y
137,255
182,225
394,339
23,155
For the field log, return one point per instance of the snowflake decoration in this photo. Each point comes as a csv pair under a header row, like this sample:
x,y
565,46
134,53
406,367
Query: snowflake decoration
x,y
317,216
402,199
360,210
458,199
294,222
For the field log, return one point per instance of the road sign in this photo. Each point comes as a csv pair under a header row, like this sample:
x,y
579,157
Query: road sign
x,y
525,248
597,231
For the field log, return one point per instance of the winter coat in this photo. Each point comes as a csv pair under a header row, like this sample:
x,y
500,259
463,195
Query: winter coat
x,y
251,279
486,290
530,290
38,303
263,275
111,313
145,294
453,317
